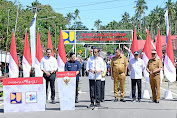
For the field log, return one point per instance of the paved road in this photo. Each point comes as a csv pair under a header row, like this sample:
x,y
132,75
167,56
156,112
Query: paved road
x,y
165,109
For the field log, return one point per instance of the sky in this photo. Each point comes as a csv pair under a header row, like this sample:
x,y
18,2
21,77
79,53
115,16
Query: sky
x,y
92,10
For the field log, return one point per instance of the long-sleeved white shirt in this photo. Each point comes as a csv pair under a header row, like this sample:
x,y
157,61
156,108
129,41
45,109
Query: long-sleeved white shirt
x,y
48,64
95,64
136,68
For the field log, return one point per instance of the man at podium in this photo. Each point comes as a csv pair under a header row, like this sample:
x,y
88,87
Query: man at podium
x,y
95,67
74,65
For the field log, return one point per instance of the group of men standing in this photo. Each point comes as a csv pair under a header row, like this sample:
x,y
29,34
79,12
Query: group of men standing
x,y
96,67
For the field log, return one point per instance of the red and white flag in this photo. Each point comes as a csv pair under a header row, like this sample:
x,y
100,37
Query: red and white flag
x,y
134,46
39,56
169,65
159,51
26,61
147,54
13,60
49,43
61,56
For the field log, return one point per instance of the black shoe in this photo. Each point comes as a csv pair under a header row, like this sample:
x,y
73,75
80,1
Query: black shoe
x,y
53,101
91,105
97,105
102,100
139,100
76,100
156,101
134,100
122,100
116,100
152,101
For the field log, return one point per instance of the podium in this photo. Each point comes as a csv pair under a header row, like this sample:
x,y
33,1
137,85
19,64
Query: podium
x,y
24,94
66,87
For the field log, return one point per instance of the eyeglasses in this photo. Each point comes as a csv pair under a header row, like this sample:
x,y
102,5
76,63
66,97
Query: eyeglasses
x,y
95,52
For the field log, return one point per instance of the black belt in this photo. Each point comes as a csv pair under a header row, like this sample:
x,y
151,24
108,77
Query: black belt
x,y
118,73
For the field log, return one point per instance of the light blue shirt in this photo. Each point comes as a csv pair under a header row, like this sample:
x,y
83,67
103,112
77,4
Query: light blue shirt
x,y
136,68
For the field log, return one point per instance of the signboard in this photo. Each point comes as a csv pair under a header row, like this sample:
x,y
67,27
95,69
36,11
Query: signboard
x,y
98,36
68,36
24,94
66,87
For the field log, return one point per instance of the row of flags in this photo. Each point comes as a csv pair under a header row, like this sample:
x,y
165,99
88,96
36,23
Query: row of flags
x,y
169,66
34,58
27,57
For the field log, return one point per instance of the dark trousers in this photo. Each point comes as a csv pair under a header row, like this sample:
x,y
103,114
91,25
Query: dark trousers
x,y
102,90
134,82
77,84
50,79
95,90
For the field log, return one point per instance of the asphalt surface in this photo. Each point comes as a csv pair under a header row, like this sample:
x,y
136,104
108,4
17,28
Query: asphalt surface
x,y
109,109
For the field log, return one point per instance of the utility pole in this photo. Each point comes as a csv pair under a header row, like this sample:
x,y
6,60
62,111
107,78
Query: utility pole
x,y
16,18
7,40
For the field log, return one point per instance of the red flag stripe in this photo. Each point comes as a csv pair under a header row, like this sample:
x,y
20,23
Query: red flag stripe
x,y
61,48
159,45
39,54
147,46
49,43
169,49
134,46
13,51
26,50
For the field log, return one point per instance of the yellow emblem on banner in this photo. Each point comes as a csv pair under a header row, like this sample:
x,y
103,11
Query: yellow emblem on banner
x,y
66,81
68,36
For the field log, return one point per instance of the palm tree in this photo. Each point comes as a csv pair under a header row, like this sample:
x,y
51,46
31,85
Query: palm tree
x,y
69,17
139,9
126,20
112,25
76,13
97,24
171,10
175,17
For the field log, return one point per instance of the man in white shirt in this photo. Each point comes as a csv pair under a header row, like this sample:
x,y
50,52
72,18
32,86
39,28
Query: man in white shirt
x,y
95,67
136,67
49,67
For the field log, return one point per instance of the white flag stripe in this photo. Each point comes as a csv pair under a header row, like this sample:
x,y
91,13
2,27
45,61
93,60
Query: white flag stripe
x,y
169,69
146,74
13,68
166,23
33,39
38,72
26,68
131,55
61,64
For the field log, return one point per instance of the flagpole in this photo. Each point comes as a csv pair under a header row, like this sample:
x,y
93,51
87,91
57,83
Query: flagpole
x,y
7,40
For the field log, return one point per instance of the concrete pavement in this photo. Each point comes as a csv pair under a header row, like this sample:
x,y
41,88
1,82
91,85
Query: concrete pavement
x,y
165,109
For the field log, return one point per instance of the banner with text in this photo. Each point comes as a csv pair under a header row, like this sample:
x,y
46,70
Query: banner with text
x,y
99,36
24,94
